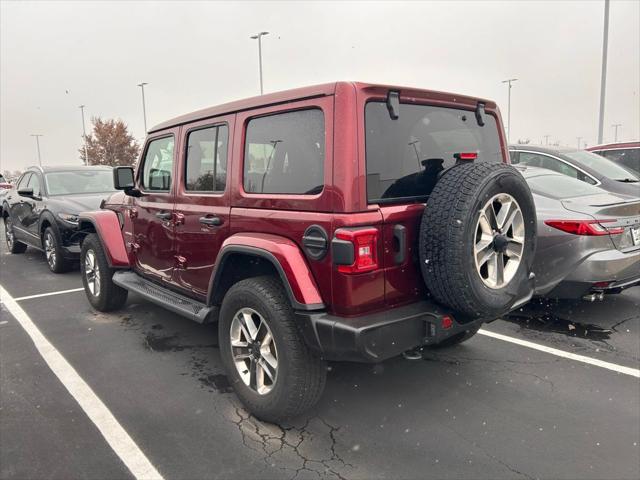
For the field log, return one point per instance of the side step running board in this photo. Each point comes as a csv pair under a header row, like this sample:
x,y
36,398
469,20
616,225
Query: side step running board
x,y
180,304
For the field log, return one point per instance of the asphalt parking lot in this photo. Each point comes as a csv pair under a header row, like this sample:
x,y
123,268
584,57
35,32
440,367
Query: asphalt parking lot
x,y
489,408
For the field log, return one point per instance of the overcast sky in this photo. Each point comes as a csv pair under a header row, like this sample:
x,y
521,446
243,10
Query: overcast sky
x,y
196,54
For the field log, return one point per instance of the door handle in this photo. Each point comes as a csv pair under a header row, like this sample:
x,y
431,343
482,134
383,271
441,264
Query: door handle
x,y
164,215
211,221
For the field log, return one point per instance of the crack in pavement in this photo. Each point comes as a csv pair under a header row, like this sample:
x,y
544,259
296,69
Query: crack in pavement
x,y
273,441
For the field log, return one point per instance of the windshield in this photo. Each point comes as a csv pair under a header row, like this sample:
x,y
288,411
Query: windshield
x,y
601,165
79,181
405,156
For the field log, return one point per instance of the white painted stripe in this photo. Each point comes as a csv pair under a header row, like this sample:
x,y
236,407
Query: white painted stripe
x,y
634,372
116,436
60,292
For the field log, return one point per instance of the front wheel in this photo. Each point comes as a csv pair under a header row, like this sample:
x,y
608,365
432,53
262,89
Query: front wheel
x,y
53,251
272,370
97,277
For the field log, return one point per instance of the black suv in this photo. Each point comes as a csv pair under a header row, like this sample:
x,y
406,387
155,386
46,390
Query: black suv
x,y
42,211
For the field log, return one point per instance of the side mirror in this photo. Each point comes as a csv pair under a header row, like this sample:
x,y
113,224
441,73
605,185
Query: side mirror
x,y
123,179
26,192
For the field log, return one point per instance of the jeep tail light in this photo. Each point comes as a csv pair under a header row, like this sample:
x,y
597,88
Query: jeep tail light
x,y
446,323
585,227
365,245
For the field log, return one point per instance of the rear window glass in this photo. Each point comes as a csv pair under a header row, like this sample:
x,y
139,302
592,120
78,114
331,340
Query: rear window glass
x,y
284,153
561,186
628,157
405,156
601,165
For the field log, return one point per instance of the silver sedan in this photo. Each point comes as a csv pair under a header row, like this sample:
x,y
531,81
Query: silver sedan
x,y
588,239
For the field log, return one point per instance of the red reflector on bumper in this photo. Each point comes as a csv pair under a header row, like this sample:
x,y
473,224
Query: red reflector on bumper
x,y
447,322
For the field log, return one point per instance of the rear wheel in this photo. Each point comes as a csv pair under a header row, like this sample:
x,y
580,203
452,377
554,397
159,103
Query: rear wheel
x,y
268,363
13,245
97,279
477,239
52,245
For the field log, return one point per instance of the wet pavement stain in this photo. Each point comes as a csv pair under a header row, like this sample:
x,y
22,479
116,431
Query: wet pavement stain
x,y
550,323
218,382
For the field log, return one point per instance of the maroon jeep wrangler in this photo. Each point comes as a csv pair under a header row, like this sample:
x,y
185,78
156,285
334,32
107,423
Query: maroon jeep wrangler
x,y
344,221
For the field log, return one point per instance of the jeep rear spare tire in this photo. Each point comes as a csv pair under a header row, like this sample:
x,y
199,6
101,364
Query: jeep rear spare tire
x,y
477,239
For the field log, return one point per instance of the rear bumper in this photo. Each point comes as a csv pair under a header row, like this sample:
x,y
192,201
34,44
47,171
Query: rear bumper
x,y
379,336
621,269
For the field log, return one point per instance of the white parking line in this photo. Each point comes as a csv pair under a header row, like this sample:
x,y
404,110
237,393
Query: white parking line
x,y
59,292
116,436
634,372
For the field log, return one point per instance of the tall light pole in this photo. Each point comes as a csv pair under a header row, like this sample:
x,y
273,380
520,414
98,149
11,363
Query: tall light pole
x,y
144,106
546,139
509,81
259,38
37,137
615,127
579,142
603,78
84,136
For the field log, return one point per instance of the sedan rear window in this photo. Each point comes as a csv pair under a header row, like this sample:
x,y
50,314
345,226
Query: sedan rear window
x,y
405,156
561,187
601,165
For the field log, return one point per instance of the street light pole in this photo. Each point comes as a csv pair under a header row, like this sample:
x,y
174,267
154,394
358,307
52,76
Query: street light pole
x,y
509,82
144,106
546,139
615,126
603,78
579,142
259,38
84,136
37,136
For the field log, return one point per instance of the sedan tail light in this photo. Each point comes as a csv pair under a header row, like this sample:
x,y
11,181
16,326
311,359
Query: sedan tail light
x,y
585,227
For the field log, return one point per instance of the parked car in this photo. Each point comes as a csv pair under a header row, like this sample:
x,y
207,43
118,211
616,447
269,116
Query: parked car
x,y
305,234
42,211
5,186
4,183
588,239
585,166
626,154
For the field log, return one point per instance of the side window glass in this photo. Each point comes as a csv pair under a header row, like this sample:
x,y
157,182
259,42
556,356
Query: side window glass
x,y
558,166
24,181
34,183
206,166
284,153
158,165
530,159
514,157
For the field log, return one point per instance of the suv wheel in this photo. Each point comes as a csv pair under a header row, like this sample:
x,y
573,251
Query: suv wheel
x,y
53,251
101,292
13,245
268,363
477,239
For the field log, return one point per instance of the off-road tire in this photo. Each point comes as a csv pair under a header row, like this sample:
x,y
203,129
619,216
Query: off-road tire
x,y
456,339
110,296
58,264
447,238
301,375
14,246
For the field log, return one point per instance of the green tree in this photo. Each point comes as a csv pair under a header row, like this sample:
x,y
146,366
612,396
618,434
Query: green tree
x,y
110,143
